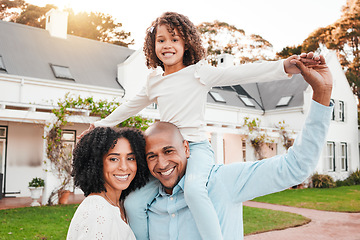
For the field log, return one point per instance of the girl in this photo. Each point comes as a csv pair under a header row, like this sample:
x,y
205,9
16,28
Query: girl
x,y
107,165
173,43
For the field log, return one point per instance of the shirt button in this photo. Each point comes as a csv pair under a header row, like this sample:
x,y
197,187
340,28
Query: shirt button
x,y
171,198
173,215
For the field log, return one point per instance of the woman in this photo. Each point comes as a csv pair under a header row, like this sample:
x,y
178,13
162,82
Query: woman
x,y
107,165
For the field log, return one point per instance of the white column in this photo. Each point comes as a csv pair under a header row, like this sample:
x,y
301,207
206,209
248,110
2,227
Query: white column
x,y
50,179
217,142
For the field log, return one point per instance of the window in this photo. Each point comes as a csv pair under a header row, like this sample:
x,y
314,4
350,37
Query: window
x,y
2,65
152,106
343,156
68,140
243,141
217,97
330,155
246,101
284,101
332,101
61,72
341,111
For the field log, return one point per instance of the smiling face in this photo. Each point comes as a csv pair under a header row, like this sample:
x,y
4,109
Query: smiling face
x,y
169,48
119,166
166,155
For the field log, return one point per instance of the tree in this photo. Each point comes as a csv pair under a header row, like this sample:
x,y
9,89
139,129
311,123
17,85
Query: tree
x,y
10,9
34,16
220,37
343,36
97,26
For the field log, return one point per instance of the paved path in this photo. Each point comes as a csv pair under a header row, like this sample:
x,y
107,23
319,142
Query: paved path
x,y
323,225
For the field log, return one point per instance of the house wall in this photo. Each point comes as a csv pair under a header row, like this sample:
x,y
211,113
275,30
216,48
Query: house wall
x,y
133,73
30,90
233,150
342,131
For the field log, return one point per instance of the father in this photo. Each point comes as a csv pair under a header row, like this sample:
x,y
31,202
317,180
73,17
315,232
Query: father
x,y
230,185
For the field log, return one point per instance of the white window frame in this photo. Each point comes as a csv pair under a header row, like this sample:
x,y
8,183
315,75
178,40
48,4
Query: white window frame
x,y
217,97
69,143
330,156
343,156
243,146
61,72
284,101
333,111
341,111
246,101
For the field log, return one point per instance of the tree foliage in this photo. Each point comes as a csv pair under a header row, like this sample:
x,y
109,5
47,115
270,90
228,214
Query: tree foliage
x,y
10,9
220,37
343,36
93,25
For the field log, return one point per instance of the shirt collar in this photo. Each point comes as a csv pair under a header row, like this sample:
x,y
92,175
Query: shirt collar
x,y
178,187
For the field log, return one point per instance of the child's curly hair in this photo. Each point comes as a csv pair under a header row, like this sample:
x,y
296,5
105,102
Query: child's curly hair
x,y
194,51
88,158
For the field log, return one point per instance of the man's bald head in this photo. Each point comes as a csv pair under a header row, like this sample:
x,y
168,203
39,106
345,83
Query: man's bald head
x,y
162,127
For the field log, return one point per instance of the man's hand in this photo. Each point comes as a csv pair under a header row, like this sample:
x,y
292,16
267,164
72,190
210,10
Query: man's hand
x,y
307,58
91,127
320,79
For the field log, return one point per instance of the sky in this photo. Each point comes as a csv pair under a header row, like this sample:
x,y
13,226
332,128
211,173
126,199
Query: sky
x,y
281,22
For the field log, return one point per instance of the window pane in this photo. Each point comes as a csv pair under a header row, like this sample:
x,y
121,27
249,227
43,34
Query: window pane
x,y
68,136
330,155
3,132
284,101
246,101
217,97
61,72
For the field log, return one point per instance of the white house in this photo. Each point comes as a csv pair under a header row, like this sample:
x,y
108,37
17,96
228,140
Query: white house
x,y
37,67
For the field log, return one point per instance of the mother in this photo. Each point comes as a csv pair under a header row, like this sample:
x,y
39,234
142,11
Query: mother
x,y
107,165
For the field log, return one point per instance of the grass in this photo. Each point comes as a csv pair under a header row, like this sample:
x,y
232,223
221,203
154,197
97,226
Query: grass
x,y
258,220
339,199
36,222
53,222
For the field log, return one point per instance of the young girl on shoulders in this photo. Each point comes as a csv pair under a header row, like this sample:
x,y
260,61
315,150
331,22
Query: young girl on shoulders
x,y
173,43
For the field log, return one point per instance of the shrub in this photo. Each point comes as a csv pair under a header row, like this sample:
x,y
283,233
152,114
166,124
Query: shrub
x,y
36,182
354,178
340,183
322,181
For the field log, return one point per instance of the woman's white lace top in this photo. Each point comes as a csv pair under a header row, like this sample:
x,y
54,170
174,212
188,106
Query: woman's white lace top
x,y
95,218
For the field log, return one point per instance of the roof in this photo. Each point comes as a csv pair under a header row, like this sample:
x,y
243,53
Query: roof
x,y
265,95
29,51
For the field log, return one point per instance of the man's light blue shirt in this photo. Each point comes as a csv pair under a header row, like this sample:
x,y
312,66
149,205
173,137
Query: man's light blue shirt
x,y
230,185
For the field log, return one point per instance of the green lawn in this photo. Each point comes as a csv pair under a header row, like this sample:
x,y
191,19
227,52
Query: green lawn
x,y
340,199
53,222
36,222
258,220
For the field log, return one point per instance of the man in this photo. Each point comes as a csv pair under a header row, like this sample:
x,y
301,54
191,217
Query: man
x,y
230,185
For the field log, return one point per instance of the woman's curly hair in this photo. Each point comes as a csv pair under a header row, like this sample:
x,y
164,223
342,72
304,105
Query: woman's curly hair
x,y
88,158
194,50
